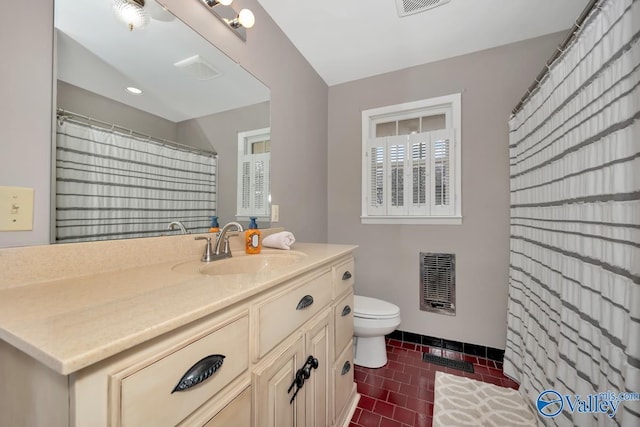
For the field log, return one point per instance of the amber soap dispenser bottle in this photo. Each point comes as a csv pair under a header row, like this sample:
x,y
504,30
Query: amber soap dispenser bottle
x,y
253,237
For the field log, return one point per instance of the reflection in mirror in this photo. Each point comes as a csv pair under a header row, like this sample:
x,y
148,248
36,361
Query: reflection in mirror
x,y
254,172
129,164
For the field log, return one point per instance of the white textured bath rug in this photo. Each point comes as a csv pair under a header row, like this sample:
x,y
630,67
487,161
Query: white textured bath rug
x,y
461,401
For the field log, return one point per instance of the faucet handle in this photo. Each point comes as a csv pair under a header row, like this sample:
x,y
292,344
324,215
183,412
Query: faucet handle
x,y
207,256
226,249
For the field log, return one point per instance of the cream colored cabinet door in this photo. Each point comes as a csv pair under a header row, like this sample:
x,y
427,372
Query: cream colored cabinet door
x,y
237,413
272,380
316,388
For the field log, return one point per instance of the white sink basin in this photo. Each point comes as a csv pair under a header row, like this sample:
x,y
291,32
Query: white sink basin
x,y
242,264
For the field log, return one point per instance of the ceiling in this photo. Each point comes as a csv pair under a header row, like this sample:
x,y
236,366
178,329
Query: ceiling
x,y
353,39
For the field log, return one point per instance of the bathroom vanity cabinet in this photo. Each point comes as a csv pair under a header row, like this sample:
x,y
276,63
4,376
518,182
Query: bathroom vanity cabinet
x,y
327,397
246,351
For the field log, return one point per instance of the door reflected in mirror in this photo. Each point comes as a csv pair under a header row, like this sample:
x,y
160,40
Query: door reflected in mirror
x,y
191,94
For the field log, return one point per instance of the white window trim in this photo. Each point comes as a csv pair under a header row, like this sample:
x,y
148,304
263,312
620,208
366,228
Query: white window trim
x,y
242,137
431,106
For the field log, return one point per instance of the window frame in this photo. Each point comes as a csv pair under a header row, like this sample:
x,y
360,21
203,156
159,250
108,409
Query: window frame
x,y
244,138
450,106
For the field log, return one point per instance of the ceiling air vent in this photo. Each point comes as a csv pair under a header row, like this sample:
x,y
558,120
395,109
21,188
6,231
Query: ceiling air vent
x,y
198,68
409,7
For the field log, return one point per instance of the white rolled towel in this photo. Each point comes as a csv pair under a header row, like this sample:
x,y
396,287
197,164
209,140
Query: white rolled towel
x,y
281,240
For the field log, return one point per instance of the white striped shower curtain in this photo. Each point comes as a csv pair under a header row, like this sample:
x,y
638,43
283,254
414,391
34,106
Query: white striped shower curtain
x,y
111,185
574,293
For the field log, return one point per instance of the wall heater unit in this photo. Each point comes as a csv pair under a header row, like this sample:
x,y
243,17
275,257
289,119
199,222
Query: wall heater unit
x,y
438,283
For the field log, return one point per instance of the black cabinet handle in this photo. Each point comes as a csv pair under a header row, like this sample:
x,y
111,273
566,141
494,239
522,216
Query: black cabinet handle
x,y
302,375
199,372
346,368
346,310
312,362
346,275
305,302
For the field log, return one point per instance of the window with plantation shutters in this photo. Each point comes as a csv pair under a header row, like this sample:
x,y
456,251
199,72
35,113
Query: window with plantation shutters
x,y
254,174
411,163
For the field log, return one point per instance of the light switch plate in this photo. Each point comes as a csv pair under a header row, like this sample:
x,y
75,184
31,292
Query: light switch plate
x,y
275,213
16,209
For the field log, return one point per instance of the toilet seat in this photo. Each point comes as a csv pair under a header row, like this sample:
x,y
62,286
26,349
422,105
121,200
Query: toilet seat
x,y
372,308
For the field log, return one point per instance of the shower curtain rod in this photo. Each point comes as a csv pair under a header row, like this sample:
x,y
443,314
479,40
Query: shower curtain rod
x,y
69,115
573,32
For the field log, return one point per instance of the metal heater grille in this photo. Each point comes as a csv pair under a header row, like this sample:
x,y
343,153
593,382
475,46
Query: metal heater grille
x,y
438,282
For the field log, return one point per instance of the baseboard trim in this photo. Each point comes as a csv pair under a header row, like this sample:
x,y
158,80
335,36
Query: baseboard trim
x,y
490,353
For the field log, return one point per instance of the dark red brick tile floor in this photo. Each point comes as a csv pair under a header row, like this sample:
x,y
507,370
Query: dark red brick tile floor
x,y
400,394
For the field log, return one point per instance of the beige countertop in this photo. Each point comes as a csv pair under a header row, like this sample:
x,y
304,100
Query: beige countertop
x,y
69,323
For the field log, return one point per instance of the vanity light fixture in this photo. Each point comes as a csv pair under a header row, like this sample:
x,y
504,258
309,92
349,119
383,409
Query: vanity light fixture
x,y
131,12
213,3
237,22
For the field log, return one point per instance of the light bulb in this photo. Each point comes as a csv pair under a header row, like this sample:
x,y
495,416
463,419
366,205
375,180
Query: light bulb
x,y
246,18
225,2
131,12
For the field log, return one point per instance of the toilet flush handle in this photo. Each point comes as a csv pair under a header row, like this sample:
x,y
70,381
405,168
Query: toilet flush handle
x,y
346,275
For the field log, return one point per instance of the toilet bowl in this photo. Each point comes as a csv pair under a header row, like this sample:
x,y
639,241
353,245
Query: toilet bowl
x,y
372,320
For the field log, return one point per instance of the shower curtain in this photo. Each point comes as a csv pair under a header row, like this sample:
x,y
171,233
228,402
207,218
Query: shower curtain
x,y
110,185
574,288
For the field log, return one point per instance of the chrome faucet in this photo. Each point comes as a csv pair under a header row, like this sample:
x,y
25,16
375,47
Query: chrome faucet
x,y
173,224
223,238
211,254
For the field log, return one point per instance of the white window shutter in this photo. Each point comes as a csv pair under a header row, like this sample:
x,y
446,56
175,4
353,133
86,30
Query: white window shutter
x,y
397,175
442,173
244,184
376,176
260,181
418,174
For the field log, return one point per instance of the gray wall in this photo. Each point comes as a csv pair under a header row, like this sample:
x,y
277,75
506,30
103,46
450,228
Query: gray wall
x,y
26,46
298,111
221,131
78,100
491,83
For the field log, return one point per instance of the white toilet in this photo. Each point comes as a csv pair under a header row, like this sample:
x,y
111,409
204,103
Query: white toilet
x,y
372,320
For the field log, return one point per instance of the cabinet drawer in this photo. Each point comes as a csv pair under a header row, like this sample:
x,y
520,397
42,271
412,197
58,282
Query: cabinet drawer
x,y
343,277
343,380
343,321
146,394
281,314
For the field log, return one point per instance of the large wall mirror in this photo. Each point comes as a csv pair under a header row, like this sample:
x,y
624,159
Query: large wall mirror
x,y
192,95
